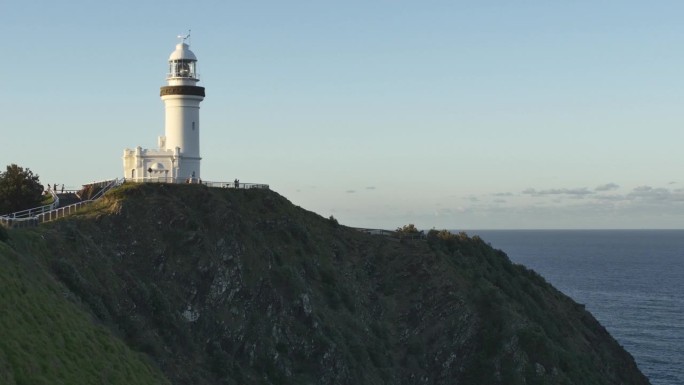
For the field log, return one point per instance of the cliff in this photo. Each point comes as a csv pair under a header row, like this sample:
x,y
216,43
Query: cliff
x,y
224,286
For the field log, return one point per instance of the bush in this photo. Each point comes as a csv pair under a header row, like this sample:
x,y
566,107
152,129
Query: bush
x,y
4,236
19,190
409,231
445,238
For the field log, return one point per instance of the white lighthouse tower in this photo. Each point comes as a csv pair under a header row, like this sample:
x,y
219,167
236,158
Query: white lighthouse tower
x,y
182,98
178,157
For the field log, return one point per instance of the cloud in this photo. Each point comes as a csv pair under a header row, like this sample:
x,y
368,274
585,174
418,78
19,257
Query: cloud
x,y
649,193
444,212
641,189
644,195
370,188
607,187
577,192
599,206
610,197
350,191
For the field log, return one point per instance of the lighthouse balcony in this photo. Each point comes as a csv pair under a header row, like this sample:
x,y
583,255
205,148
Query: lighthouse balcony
x,y
178,75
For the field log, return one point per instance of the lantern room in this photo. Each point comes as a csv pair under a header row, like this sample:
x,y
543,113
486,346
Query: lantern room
x,y
182,64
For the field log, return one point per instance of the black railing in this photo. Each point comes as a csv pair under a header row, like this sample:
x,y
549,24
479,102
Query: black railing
x,y
234,184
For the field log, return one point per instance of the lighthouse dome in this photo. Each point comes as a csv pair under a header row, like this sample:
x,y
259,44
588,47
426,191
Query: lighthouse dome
x,y
182,52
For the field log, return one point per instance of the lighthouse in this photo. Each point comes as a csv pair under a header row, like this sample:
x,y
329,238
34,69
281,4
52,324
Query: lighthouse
x,y
178,157
182,99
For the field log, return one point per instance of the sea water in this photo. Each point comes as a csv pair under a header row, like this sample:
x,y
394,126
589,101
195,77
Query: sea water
x,y
632,281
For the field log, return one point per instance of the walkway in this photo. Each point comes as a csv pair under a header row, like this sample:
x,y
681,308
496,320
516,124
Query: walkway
x,y
58,209
68,202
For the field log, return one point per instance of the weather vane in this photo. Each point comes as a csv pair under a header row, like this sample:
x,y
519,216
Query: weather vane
x,y
184,37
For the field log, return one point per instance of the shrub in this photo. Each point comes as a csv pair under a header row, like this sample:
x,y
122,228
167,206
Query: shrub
x,y
409,231
444,238
19,189
4,236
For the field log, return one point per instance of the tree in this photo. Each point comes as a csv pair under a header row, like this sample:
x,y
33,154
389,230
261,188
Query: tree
x,y
409,229
446,238
19,190
334,221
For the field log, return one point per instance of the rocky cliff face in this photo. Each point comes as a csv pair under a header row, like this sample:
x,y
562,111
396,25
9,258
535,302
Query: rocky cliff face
x,y
223,286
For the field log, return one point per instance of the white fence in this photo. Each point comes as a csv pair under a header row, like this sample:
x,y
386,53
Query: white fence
x,y
30,213
38,215
51,212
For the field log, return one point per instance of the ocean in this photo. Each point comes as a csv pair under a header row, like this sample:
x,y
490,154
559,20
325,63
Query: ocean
x,y
632,281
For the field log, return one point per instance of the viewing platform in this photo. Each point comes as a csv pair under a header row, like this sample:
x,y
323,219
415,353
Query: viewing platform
x,y
93,191
234,184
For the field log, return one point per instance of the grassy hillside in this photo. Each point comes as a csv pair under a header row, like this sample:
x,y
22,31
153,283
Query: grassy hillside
x,y
47,338
224,286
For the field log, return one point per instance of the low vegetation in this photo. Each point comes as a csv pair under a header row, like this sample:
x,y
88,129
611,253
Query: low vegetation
x,y
47,337
20,189
225,286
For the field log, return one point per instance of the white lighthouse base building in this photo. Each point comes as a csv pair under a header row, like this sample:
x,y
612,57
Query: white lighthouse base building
x,y
160,165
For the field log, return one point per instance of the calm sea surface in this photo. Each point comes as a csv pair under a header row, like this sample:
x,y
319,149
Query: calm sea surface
x,y
632,281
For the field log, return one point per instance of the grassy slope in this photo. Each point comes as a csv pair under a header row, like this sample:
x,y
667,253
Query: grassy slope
x,y
282,295
45,338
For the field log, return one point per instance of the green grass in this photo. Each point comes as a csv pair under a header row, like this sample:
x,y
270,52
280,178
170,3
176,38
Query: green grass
x,y
47,339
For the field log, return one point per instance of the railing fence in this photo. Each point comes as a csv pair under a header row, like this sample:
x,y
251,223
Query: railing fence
x,y
39,215
51,212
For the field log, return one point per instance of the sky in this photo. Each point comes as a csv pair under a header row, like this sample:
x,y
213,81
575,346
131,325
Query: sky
x,y
444,114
